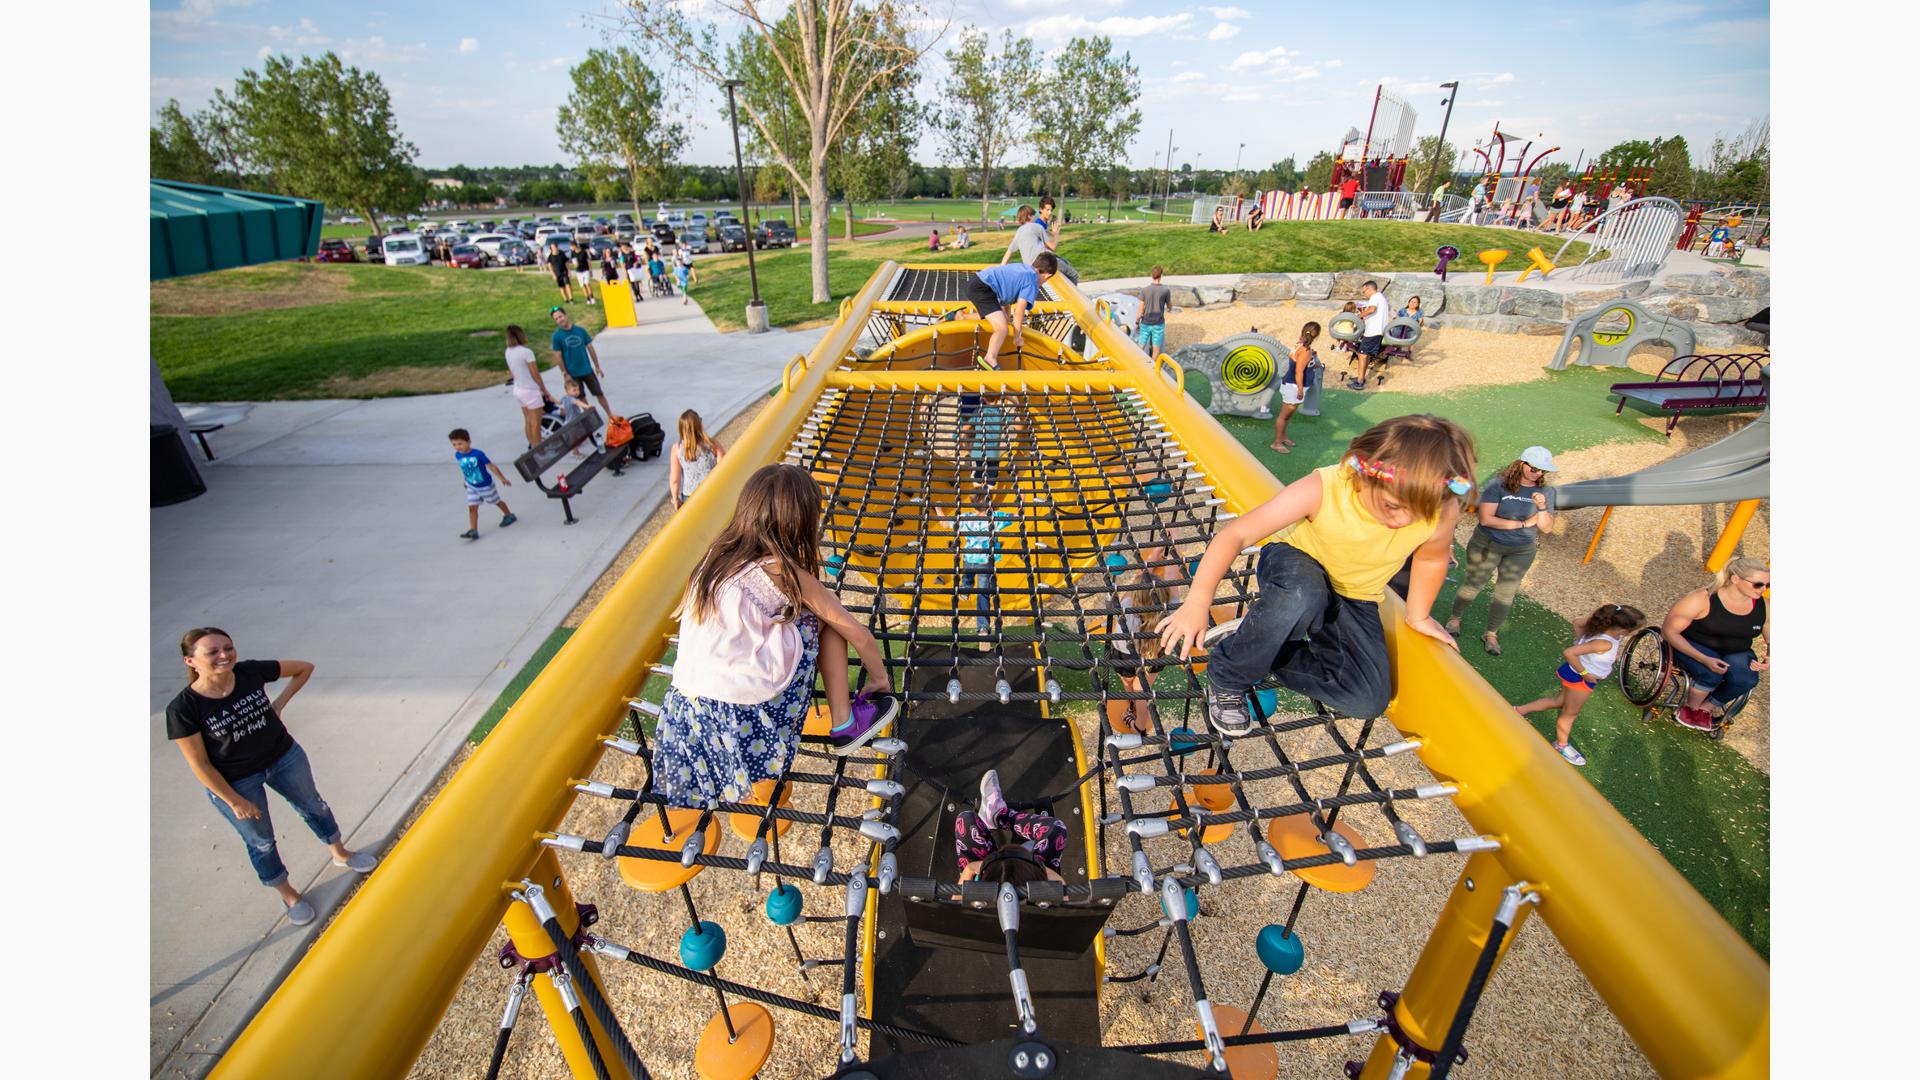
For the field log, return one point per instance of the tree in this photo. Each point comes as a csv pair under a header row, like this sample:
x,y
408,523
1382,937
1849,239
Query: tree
x,y
323,130
1742,165
1084,112
1632,154
873,162
828,54
1423,173
1319,176
615,122
1672,171
177,149
985,118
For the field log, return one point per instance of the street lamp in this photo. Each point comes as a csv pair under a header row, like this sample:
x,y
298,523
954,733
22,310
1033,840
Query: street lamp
x,y
1453,91
756,308
1236,158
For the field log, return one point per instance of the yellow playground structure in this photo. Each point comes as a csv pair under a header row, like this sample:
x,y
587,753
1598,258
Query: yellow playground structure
x,y
1098,477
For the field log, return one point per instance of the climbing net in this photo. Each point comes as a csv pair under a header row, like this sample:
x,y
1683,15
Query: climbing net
x,y
1088,521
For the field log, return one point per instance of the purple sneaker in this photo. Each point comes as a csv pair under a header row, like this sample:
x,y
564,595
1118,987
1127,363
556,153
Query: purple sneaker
x,y
993,805
869,716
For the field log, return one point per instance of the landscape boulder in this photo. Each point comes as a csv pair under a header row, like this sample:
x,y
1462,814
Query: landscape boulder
x,y
1265,288
1346,284
1465,299
1313,286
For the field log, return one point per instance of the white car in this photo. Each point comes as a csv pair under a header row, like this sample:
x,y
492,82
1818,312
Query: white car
x,y
351,220
403,249
490,242
550,232
699,220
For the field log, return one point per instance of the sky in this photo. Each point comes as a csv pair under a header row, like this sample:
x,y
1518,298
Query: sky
x,y
478,82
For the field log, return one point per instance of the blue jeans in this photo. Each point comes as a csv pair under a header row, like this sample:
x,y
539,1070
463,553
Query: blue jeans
x,y
1723,687
1316,642
981,583
292,777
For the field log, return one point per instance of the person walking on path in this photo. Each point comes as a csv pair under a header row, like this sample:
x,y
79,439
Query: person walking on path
x,y
573,350
557,265
693,457
474,470
1373,330
1477,202
1155,299
237,746
1712,632
683,269
1293,385
583,271
529,389
1513,513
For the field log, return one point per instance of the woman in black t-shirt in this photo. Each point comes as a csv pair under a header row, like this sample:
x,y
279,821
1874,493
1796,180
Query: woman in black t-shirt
x,y
231,735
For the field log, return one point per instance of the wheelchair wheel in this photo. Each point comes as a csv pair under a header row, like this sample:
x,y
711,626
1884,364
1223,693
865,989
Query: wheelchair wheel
x,y
1645,667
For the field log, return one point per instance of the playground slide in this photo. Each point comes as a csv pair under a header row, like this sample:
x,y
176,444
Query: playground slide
x,y
1732,470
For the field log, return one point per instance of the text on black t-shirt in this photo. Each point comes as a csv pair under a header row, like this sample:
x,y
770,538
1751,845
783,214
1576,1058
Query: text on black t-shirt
x,y
242,733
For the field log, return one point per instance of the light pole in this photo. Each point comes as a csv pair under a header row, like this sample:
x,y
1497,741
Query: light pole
x,y
1236,158
1453,91
1169,166
756,308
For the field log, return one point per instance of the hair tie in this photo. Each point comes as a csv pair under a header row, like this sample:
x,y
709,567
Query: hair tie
x,y
1385,473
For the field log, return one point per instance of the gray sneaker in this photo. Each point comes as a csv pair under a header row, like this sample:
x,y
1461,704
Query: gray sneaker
x,y
1228,714
300,913
359,862
1215,633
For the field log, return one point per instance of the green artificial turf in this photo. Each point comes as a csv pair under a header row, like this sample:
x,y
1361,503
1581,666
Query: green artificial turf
x,y
280,331
524,678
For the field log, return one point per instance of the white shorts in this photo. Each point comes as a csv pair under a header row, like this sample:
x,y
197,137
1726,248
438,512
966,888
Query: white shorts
x,y
489,494
1292,394
529,397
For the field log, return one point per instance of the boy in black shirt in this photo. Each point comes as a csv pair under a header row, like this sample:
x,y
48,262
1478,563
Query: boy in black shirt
x,y
557,264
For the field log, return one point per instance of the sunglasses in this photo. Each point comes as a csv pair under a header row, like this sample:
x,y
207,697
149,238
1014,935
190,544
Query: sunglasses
x,y
1757,584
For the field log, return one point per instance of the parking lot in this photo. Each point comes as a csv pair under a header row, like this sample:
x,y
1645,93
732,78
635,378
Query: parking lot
x,y
482,243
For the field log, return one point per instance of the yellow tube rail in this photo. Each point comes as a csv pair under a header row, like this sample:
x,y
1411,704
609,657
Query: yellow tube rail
x,y
368,995
1690,991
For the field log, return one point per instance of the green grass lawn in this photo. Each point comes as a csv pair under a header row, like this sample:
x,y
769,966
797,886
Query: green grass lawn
x,y
283,330
1109,251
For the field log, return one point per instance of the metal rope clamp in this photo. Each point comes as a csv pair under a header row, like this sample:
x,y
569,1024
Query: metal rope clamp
x,y
1391,1024
510,956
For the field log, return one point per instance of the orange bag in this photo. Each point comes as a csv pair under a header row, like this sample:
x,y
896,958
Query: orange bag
x,y
619,432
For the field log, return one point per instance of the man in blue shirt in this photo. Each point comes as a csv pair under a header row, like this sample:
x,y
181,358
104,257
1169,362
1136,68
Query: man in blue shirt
x,y
573,351
1002,294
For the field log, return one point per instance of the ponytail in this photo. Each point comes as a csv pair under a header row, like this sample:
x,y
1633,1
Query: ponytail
x,y
1740,566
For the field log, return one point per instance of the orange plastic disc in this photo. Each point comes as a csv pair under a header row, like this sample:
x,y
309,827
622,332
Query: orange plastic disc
x,y
819,722
655,875
746,826
1117,715
1260,1061
1214,797
717,1059
1295,838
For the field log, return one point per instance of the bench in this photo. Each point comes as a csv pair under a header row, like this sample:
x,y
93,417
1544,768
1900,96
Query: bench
x,y
1697,383
554,449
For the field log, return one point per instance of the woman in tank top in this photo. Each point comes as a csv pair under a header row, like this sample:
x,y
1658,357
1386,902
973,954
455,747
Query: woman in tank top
x,y
694,456
1712,633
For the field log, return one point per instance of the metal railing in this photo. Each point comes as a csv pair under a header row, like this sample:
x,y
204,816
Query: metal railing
x,y
1628,243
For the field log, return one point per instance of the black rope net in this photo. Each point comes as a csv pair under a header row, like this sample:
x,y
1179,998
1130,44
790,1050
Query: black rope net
x,y
1036,537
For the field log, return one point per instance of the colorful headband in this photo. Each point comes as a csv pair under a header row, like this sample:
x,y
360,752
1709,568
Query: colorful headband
x,y
1381,471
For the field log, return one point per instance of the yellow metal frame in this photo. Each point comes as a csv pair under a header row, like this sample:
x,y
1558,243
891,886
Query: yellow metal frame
x,y
365,999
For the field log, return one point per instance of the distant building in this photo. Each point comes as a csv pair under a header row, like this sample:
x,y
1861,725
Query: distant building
x,y
445,182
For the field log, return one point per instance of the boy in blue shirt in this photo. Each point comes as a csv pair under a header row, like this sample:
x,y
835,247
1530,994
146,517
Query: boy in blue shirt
x,y
473,469
1002,294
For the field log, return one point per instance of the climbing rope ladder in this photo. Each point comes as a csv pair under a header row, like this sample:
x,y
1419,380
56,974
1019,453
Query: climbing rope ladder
x,y
1011,537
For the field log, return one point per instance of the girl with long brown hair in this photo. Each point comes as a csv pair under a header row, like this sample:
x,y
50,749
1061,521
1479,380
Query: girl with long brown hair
x,y
529,389
1293,385
693,457
754,625
1589,661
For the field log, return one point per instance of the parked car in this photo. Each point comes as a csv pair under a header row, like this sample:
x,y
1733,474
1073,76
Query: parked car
x,y
695,240
548,232
725,217
663,233
373,246
677,219
774,232
404,249
555,205
469,257
732,238
490,242
698,220
515,253
333,251
351,220
396,230
601,243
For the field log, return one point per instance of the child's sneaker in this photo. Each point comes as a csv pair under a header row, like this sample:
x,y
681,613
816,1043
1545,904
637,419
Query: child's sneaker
x,y
993,804
1228,713
1215,633
869,716
508,520
470,534
1697,719
1573,756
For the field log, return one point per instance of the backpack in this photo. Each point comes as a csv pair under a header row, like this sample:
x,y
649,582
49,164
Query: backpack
x,y
619,432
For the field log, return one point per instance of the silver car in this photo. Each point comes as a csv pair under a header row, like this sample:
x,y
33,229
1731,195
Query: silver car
x,y
694,240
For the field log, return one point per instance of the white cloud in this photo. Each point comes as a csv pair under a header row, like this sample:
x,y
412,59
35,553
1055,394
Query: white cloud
x,y
378,50
265,51
1248,61
1224,13
1222,31
1189,76
1488,82
1334,63
196,20
469,45
1055,27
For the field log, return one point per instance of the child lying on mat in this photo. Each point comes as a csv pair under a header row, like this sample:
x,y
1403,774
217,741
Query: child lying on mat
x,y
1034,856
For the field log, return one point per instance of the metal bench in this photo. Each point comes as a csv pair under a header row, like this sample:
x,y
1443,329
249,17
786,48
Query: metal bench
x,y
205,420
1698,383
554,449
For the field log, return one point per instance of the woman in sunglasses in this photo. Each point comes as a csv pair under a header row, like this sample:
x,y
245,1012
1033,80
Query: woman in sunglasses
x,y
1712,633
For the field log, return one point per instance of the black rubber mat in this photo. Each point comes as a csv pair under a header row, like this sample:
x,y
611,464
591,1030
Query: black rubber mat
x,y
964,993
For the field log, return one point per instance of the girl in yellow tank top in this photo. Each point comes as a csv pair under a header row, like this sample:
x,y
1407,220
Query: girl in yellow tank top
x,y
1347,528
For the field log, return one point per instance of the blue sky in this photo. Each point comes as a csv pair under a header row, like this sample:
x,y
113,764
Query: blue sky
x,y
478,82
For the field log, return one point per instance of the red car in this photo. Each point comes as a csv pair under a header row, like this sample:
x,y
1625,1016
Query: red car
x,y
469,257
337,251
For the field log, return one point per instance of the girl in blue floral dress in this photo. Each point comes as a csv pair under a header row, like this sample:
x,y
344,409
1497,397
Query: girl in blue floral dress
x,y
754,626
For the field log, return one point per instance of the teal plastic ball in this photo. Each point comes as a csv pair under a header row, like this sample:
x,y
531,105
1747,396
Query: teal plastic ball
x,y
783,905
1183,741
1193,904
1281,952
702,946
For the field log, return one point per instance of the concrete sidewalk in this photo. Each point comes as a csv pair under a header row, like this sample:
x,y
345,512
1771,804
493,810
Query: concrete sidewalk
x,y
330,532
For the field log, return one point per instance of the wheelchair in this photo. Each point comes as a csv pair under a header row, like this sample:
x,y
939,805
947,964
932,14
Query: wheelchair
x,y
1651,680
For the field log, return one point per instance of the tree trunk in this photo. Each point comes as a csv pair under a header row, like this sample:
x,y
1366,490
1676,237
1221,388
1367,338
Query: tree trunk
x,y
849,198
986,182
822,225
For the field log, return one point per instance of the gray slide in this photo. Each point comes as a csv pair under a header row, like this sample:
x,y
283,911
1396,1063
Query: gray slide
x,y
1731,470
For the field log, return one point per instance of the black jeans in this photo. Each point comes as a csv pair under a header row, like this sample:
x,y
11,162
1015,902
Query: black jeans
x,y
1315,641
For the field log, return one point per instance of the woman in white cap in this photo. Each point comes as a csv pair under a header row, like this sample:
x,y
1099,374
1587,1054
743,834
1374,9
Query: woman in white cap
x,y
1513,514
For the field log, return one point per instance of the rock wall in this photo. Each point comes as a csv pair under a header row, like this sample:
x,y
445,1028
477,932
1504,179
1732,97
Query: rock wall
x,y
1716,303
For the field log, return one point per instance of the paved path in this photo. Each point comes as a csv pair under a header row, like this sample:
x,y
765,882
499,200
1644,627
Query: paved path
x,y
329,532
